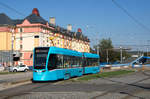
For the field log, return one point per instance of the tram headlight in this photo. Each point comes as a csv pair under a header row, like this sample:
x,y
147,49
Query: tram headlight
x,y
35,70
43,70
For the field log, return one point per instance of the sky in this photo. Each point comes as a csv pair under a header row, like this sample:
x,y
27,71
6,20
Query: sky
x,y
98,19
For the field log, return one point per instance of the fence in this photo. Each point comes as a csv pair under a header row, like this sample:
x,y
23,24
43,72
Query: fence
x,y
6,58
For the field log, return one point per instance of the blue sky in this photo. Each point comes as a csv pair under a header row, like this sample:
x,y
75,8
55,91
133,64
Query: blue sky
x,y
97,18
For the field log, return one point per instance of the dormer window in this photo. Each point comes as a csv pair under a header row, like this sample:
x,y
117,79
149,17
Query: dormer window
x,y
44,30
20,29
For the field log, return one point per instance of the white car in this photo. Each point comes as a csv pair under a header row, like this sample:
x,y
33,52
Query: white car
x,y
2,68
19,68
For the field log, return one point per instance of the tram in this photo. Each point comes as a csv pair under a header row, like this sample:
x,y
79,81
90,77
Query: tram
x,y
53,63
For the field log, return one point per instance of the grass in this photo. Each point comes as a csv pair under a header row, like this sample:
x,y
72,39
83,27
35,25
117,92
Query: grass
x,y
101,75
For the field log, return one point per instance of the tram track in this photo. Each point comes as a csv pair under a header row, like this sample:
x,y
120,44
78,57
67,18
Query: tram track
x,y
113,86
22,90
128,91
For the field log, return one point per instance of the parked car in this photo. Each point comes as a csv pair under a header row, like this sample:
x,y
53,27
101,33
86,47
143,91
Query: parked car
x,y
19,68
2,68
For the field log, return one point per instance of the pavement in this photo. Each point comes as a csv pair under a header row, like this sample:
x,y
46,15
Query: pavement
x,y
12,80
130,86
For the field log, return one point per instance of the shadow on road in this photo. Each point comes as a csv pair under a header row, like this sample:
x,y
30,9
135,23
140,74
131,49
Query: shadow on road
x,y
131,95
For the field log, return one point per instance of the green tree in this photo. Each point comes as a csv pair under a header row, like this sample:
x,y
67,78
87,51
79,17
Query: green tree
x,y
107,52
105,48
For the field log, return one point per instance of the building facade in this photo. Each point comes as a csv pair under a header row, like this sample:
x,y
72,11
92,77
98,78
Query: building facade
x,y
22,35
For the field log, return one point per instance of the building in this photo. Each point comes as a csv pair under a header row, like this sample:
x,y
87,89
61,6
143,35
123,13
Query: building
x,y
22,35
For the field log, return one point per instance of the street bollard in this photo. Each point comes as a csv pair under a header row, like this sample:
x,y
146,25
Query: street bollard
x,y
143,67
101,69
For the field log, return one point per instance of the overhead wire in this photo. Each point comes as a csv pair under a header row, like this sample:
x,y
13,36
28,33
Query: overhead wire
x,y
10,8
131,16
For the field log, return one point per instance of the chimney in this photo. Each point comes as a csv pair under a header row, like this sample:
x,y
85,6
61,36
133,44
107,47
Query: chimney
x,y
69,27
36,12
79,30
52,20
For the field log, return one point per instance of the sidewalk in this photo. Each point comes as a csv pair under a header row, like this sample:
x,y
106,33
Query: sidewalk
x,y
10,79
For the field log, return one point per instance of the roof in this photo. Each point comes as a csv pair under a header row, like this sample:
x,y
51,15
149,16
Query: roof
x,y
90,55
146,57
62,51
5,20
33,18
17,21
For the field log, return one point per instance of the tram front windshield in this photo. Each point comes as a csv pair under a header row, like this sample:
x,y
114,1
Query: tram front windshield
x,y
40,58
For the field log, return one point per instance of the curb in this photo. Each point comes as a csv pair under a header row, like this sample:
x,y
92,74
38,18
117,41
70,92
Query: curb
x,y
14,84
17,82
21,81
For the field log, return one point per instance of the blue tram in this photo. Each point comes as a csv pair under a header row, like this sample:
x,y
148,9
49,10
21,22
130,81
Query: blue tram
x,y
53,63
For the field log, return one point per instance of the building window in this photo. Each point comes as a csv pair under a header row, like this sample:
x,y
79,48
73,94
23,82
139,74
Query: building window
x,y
47,40
20,38
58,41
44,30
20,29
36,36
21,46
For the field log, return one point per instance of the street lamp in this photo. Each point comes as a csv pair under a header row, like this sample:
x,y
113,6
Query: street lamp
x,y
12,49
107,55
120,54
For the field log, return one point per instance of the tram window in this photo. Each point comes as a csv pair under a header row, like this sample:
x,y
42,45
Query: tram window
x,y
63,61
52,62
55,61
59,62
66,61
71,61
40,61
90,62
79,61
84,62
74,61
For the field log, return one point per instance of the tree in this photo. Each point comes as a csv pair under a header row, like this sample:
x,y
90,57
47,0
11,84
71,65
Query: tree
x,y
107,52
105,46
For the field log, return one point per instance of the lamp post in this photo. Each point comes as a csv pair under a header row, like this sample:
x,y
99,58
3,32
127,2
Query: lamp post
x,y
97,49
97,44
12,49
107,56
120,54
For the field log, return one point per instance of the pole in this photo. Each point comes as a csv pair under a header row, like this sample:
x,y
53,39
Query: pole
x,y
12,63
12,49
0,57
97,49
97,44
107,55
147,51
120,54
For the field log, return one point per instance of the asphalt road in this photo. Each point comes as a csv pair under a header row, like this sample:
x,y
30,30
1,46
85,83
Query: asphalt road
x,y
15,77
130,86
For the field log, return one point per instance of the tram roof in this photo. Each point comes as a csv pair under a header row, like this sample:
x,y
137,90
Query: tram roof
x,y
90,55
56,50
147,57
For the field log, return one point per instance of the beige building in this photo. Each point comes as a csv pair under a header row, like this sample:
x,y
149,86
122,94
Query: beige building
x,y
34,31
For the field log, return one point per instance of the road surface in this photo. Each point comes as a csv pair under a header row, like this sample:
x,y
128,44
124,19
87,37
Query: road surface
x,y
129,86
